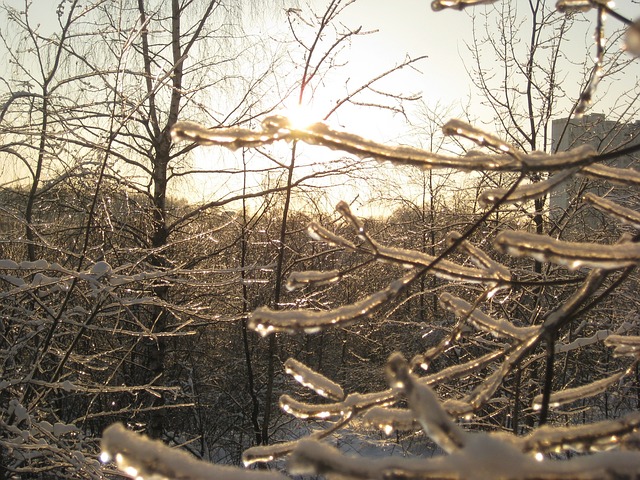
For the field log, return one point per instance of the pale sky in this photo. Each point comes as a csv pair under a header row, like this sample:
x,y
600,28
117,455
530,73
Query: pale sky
x,y
403,27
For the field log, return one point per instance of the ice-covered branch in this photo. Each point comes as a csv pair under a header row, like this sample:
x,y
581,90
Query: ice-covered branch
x,y
573,255
623,214
424,404
438,5
584,391
143,458
276,128
313,380
624,344
482,321
525,192
485,457
265,320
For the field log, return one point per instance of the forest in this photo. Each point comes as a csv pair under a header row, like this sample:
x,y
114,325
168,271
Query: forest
x,y
196,283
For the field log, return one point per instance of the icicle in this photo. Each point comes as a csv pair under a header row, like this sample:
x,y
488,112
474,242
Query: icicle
x,y
482,321
438,5
424,404
266,321
526,192
312,277
626,215
143,458
585,391
573,255
313,380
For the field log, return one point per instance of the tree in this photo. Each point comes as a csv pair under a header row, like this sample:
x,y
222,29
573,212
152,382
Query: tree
x,y
596,272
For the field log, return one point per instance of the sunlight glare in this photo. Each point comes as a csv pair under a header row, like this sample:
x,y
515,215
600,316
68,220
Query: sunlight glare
x,y
302,116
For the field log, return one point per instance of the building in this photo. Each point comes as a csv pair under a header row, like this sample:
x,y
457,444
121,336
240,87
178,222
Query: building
x,y
605,136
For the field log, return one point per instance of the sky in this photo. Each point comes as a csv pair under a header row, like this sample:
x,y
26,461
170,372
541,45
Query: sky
x,y
403,27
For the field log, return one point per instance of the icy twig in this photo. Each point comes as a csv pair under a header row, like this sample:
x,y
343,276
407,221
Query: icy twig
x,y
624,214
621,176
319,233
479,257
624,344
486,457
424,404
482,321
143,458
582,438
313,380
526,192
462,129
578,393
573,255
265,320
276,128
438,5
312,277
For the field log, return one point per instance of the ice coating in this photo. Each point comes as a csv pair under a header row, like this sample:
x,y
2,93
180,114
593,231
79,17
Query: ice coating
x,y
623,214
438,5
312,277
500,328
314,380
460,128
584,391
624,344
265,320
566,6
425,406
143,458
479,257
277,128
573,255
525,192
621,176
